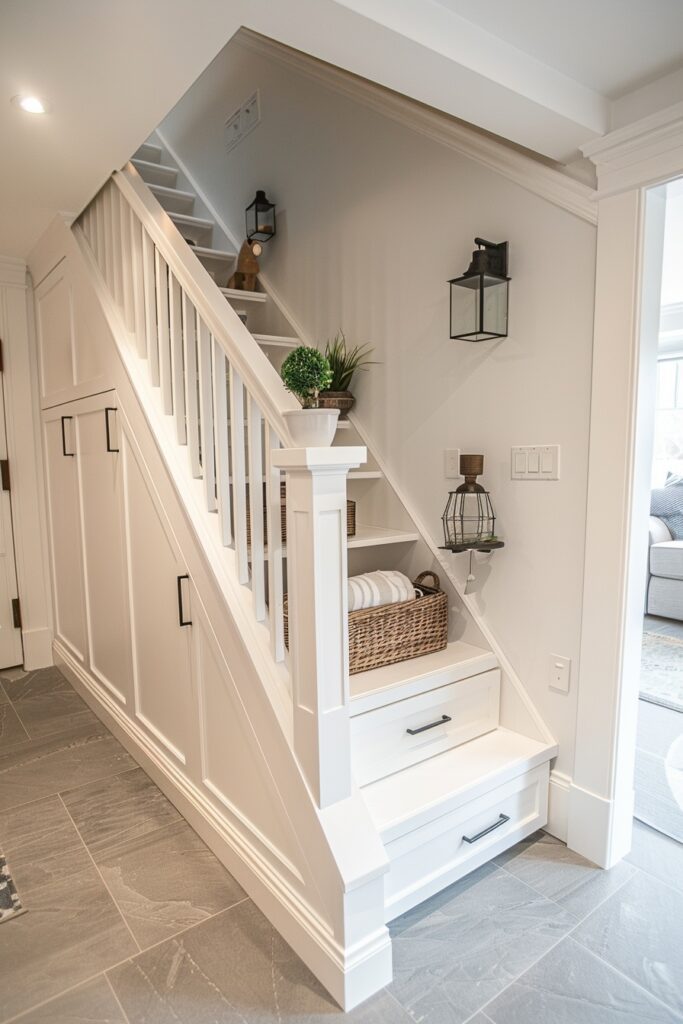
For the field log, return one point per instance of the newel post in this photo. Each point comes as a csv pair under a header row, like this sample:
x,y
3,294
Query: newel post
x,y
317,599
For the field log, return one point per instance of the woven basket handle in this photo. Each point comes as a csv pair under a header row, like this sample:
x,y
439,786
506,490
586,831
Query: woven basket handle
x,y
421,578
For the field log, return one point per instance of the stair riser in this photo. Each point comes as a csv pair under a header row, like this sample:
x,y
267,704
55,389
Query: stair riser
x,y
381,743
156,174
178,203
149,152
430,858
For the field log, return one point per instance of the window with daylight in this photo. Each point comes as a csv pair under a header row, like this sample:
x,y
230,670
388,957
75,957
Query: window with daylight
x,y
668,449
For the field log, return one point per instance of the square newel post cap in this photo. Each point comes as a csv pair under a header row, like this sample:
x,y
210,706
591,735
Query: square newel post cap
x,y
323,460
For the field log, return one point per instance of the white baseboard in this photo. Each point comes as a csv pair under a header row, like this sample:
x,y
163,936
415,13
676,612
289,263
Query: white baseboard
x,y
590,829
558,805
349,975
37,645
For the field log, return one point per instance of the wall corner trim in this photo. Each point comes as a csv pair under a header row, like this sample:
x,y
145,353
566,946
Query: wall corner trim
x,y
534,175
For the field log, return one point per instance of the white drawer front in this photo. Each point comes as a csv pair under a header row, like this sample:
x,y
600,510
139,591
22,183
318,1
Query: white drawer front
x,y
428,859
381,743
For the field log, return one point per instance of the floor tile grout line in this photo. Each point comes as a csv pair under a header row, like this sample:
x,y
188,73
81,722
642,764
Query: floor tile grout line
x,y
136,768
116,998
84,981
567,935
626,977
46,796
145,835
101,877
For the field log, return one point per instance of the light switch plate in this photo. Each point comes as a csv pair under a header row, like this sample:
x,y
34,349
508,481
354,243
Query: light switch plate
x,y
451,464
559,672
535,462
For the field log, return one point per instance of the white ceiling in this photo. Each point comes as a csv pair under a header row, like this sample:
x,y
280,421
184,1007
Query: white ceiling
x,y
612,46
538,72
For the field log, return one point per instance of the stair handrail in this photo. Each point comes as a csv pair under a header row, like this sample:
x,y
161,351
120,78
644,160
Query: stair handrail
x,y
258,374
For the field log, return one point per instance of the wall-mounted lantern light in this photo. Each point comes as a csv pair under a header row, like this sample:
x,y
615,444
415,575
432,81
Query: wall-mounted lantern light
x,y
469,522
479,299
260,218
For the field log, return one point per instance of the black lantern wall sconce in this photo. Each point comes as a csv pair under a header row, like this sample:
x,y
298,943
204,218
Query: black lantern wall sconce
x,y
260,219
479,299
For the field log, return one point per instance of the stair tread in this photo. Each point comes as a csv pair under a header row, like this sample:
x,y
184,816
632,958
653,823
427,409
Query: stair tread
x,y
169,191
277,340
408,799
243,295
213,254
151,150
381,686
190,221
149,165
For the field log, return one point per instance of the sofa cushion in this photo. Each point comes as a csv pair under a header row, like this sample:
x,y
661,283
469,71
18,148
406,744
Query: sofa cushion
x,y
667,559
667,503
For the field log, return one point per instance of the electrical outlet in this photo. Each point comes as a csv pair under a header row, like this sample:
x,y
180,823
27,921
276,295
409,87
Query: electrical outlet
x,y
451,463
559,673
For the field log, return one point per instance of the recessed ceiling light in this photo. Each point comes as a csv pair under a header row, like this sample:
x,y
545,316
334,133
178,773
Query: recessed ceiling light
x,y
31,104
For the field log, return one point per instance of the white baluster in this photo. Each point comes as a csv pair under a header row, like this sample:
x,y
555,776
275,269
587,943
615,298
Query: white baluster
x,y
162,287
220,424
206,423
177,373
275,583
317,606
138,286
126,265
191,382
255,446
116,245
109,239
100,231
150,287
239,481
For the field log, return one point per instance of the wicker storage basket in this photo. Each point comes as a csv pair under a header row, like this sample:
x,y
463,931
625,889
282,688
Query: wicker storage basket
x,y
396,632
350,516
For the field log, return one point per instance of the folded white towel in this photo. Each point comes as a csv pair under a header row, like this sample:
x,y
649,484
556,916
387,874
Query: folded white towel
x,y
372,589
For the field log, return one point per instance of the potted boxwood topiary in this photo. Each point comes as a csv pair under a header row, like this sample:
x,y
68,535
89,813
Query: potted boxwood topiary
x,y
306,372
343,364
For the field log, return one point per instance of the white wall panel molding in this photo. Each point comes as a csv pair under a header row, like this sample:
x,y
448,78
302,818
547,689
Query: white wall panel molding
x,y
643,153
535,175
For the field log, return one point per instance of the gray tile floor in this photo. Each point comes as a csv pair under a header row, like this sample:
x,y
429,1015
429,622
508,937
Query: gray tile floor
x,y
131,920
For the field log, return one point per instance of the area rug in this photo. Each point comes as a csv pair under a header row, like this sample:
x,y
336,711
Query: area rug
x,y
10,904
661,671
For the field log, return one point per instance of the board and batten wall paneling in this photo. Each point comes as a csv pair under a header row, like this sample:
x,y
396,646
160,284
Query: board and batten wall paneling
x,y
373,218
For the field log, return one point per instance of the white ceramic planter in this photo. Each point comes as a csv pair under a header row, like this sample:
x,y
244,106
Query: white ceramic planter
x,y
312,428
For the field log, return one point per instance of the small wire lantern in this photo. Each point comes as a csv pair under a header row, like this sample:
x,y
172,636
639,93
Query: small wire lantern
x,y
469,521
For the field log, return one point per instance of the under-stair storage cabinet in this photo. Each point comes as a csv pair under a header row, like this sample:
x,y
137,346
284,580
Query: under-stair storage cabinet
x,y
121,593
69,357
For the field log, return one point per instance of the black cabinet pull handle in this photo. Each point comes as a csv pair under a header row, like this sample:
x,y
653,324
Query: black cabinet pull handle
x,y
432,725
182,621
109,409
64,451
485,831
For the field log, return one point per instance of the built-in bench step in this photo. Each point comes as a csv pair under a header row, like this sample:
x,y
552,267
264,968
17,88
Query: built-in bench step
x,y
154,173
173,200
442,818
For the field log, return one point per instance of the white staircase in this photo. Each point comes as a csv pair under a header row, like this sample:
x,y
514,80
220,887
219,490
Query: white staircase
x,y
424,752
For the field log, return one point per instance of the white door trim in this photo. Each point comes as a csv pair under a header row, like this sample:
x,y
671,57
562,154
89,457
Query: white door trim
x,y
25,456
601,794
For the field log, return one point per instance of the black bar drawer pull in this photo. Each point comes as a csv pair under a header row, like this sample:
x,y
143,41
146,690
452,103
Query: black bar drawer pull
x,y
432,725
107,427
182,621
485,831
64,451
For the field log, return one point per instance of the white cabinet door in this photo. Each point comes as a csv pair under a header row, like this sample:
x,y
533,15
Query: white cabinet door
x,y
160,601
104,552
64,521
11,652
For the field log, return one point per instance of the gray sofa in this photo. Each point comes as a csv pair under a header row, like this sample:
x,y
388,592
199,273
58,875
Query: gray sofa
x,y
665,583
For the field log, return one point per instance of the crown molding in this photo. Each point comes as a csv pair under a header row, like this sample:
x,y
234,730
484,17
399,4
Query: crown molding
x,y
12,271
532,175
646,152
